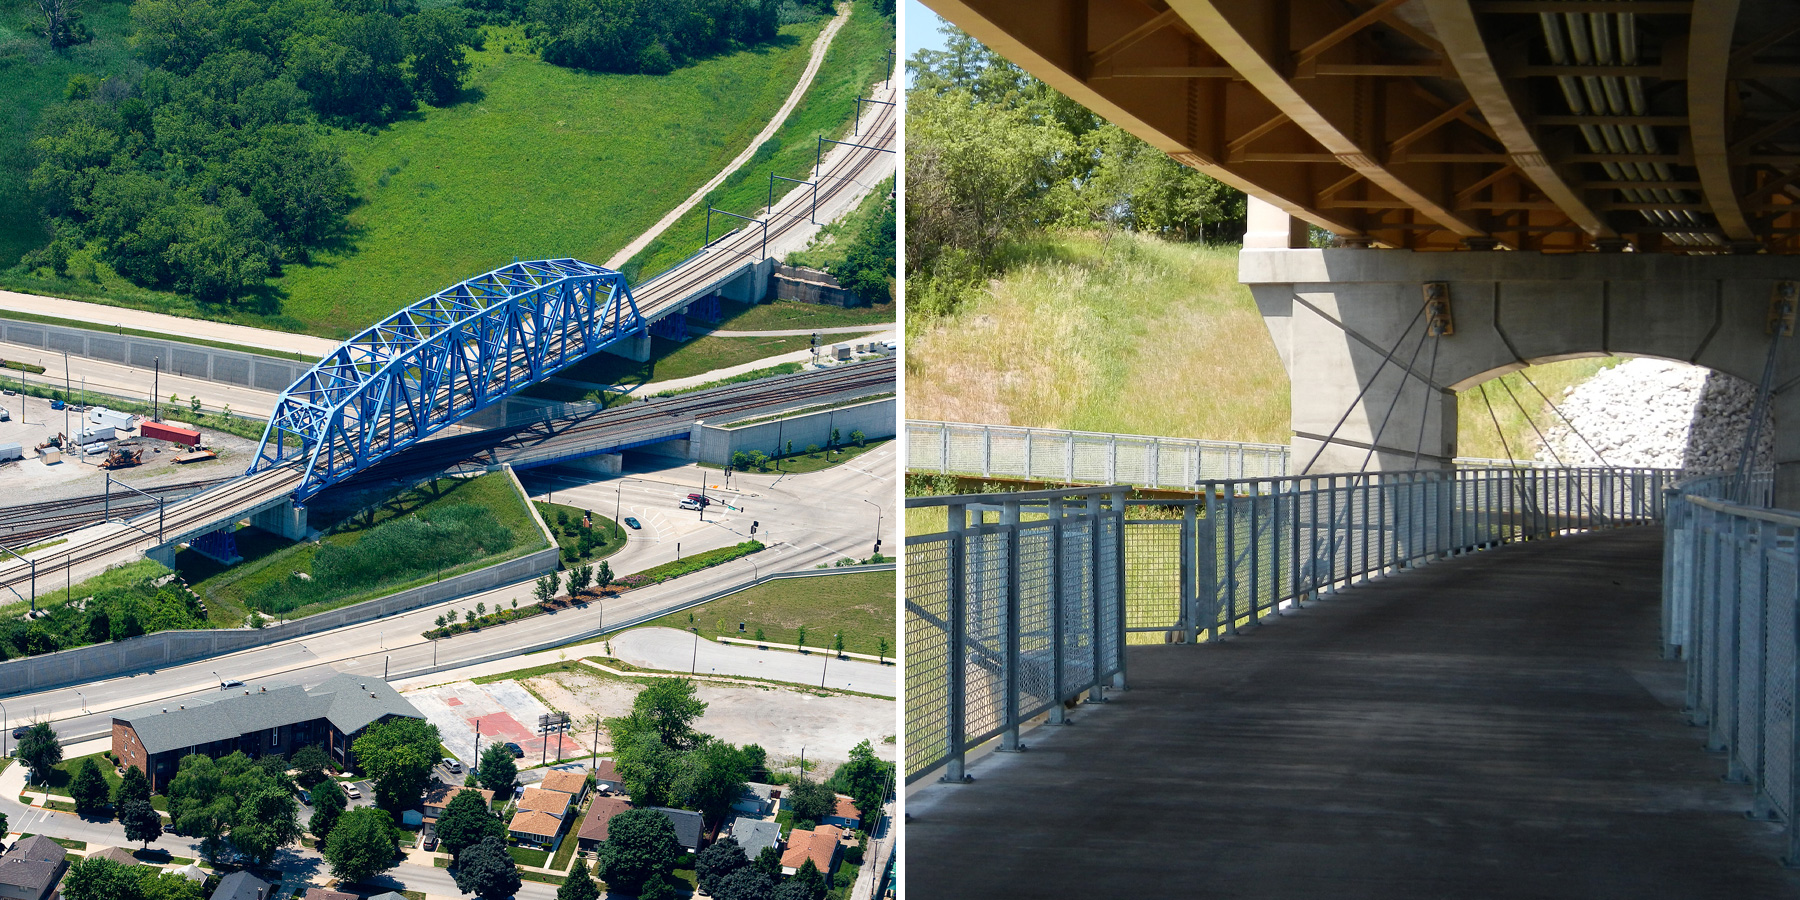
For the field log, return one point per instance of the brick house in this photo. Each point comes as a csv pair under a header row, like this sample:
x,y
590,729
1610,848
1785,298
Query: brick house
x,y
271,718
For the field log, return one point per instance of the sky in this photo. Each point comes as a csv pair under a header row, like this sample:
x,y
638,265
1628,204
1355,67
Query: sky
x,y
921,29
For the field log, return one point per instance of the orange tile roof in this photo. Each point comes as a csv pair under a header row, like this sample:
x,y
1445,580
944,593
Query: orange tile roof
x,y
553,802
440,796
846,808
599,817
564,780
819,845
537,824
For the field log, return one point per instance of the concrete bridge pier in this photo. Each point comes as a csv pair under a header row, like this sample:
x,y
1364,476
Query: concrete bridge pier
x,y
599,463
1348,326
635,348
287,520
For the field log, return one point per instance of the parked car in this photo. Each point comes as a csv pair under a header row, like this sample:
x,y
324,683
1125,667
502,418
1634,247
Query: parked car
x,y
352,791
229,683
430,842
57,404
19,732
455,766
632,523
518,752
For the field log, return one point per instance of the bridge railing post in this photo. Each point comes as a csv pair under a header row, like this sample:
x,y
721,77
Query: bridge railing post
x,y
957,700
1009,739
1206,531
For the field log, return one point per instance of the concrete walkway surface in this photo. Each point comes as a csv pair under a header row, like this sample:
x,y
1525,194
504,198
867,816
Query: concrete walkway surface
x,y
1494,726
176,327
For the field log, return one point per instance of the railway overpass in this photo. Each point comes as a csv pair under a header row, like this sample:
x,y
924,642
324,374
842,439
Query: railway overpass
x,y
1501,183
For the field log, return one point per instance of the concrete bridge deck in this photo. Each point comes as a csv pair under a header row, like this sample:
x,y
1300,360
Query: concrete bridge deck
x,y
1497,725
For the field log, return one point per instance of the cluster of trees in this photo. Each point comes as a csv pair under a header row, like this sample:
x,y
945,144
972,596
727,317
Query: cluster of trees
x,y
111,615
724,873
745,460
654,37
587,538
248,802
868,267
665,762
98,878
212,169
130,799
475,837
994,155
395,550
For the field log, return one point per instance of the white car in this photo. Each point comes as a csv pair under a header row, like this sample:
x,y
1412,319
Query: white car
x,y
352,791
453,765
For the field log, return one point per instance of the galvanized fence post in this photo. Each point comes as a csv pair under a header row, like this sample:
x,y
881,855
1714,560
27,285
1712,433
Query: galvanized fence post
x,y
1096,534
958,697
1189,620
1118,503
1206,549
1058,607
1009,739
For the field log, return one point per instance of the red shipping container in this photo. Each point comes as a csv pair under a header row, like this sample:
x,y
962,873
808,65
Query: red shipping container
x,y
187,436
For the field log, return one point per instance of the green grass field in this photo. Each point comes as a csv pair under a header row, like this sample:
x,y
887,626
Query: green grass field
x,y
1475,434
612,536
786,315
54,593
857,59
830,246
268,559
861,605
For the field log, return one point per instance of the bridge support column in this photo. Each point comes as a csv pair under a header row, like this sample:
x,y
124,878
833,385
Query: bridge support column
x,y
600,463
287,520
164,555
635,348
1350,329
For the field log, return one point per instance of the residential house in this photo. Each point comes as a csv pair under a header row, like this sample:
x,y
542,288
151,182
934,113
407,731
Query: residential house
x,y
568,781
606,778
599,819
242,885
119,855
754,834
32,869
819,845
555,803
271,718
533,827
438,797
758,799
689,826
319,893
192,873
844,815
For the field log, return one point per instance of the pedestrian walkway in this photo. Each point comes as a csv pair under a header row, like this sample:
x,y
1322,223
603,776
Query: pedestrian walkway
x,y
104,316
1498,725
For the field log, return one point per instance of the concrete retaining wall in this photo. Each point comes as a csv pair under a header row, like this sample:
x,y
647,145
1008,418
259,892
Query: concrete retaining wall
x,y
810,286
189,360
876,419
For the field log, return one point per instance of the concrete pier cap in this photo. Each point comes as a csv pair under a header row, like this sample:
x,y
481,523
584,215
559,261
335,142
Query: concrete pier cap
x,y
1336,314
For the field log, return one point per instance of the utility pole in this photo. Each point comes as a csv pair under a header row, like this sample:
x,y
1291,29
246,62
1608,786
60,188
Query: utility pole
x,y
67,399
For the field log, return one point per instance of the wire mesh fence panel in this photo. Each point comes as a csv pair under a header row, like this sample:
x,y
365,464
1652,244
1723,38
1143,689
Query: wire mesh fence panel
x,y
1111,616
985,660
1037,622
1778,684
928,683
1078,586
1746,743
1050,460
1153,575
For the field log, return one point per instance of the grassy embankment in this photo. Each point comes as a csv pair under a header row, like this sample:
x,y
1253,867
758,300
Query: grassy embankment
x,y
565,522
269,561
861,605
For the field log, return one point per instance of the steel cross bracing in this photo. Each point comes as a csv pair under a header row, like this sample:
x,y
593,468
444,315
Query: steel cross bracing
x,y
439,360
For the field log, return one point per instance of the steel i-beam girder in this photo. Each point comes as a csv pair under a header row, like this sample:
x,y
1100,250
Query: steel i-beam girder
x,y
440,360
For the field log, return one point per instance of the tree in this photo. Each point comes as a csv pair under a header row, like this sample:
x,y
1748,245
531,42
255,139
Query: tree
x,y
399,755
88,789
310,763
717,861
362,844
62,23
768,861
881,648
579,578
712,775
143,824
328,803
266,822
660,889
603,578
436,38
837,644
580,885
99,878
801,640
488,871
545,589
810,800
193,401
747,883
640,848
668,708
467,821
469,616
155,884
132,786
40,750
865,778
481,608
497,768
806,884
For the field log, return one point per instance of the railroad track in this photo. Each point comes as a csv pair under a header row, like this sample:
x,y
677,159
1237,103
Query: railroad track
x,y
26,523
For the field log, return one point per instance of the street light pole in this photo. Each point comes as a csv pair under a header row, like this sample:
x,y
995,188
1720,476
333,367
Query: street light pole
x,y
694,666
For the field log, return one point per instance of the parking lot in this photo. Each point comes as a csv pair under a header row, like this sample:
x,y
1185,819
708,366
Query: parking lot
x,y
503,711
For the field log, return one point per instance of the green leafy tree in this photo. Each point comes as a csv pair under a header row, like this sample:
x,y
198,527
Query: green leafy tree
x,y
498,769
363,844
604,577
435,38
640,848
487,870
660,889
328,804
866,779
717,861
580,885
837,643
155,884
98,878
768,861
467,821
40,750
544,590
399,755
666,708
132,786
310,763
712,775
143,824
747,883
809,800
88,788
579,578
266,822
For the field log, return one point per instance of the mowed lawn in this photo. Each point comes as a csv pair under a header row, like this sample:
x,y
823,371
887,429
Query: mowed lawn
x,y
861,605
536,162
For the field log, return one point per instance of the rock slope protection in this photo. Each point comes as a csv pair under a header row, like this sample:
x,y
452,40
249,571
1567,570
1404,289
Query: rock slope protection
x,y
1655,413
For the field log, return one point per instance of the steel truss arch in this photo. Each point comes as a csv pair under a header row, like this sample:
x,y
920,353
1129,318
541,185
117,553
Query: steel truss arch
x,y
441,359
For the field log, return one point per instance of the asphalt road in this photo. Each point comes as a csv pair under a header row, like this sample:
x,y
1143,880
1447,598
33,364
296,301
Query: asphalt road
x,y
806,519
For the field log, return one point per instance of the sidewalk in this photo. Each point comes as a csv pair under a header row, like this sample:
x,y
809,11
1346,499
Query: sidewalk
x,y
876,332
175,327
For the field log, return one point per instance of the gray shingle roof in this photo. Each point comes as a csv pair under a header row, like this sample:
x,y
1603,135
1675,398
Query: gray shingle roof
x,y
33,864
36,847
688,825
241,886
344,700
754,834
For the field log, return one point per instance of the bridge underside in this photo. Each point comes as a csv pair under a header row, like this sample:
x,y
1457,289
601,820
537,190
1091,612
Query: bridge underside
x,y
1499,725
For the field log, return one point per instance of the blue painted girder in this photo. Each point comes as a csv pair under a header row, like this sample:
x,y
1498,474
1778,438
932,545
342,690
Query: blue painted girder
x,y
441,359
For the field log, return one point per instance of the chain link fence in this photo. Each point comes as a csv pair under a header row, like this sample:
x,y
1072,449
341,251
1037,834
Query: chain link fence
x,y
1028,599
1043,454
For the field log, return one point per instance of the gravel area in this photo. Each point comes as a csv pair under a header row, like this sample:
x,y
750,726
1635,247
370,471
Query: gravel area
x,y
32,421
1656,413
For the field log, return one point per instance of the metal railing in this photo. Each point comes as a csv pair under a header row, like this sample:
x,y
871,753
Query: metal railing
x,y
1731,585
1026,600
1043,454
